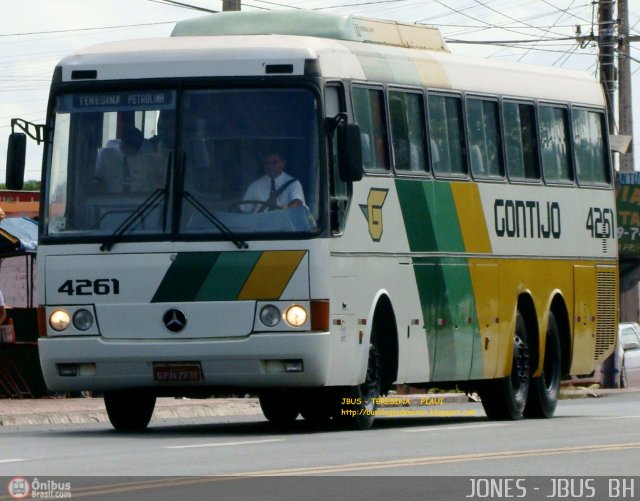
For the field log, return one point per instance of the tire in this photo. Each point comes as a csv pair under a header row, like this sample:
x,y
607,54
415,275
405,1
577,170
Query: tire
x,y
129,410
360,412
506,398
278,406
544,390
317,407
623,375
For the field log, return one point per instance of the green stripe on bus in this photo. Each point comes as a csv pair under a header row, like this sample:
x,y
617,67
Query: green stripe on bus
x,y
429,215
444,284
185,276
448,304
375,67
227,277
404,70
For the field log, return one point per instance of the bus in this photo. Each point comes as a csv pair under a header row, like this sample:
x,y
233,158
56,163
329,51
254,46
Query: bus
x,y
453,227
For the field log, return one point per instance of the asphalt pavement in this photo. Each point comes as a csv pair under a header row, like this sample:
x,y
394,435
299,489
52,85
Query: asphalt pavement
x,y
41,411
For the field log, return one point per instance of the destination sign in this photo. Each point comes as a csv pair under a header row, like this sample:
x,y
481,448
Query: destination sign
x,y
117,101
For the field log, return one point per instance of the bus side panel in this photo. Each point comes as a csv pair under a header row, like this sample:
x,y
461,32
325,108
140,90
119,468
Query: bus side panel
x,y
584,329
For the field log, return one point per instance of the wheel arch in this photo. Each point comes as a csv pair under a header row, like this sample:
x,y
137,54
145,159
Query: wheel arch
x,y
384,333
559,309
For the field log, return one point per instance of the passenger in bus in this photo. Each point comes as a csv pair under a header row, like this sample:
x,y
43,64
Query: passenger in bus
x,y
122,167
277,189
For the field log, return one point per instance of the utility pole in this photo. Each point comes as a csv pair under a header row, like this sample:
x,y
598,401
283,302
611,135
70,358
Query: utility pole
x,y
606,48
625,104
228,5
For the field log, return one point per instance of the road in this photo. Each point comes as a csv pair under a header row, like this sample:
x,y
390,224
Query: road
x,y
587,438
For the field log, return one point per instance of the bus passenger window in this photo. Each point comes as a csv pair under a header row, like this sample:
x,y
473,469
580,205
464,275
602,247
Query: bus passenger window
x,y
445,127
592,164
368,111
520,141
408,131
485,144
554,144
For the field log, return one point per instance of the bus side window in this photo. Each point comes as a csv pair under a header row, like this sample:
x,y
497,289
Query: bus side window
x,y
592,164
485,144
408,131
554,143
520,140
368,112
445,127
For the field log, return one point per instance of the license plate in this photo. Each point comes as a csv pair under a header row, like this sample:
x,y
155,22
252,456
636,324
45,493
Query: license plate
x,y
177,373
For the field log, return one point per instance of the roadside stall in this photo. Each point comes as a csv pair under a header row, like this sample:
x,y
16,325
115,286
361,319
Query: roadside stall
x,y
20,373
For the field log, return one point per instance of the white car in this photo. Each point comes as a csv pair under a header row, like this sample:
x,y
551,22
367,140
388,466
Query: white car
x,y
627,355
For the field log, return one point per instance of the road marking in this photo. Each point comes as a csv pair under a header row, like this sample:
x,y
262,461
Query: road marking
x,y
423,461
128,487
618,417
12,460
224,444
453,427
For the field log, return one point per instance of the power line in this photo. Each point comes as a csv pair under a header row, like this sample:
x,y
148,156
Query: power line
x,y
174,3
557,20
492,42
279,4
85,29
358,4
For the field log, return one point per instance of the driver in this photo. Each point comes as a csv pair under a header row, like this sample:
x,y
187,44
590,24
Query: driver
x,y
277,189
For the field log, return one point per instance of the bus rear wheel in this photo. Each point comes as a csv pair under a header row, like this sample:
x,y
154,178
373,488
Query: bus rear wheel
x,y
279,406
506,398
544,390
129,410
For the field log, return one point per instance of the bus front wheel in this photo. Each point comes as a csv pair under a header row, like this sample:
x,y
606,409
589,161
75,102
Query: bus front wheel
x,y
544,390
506,398
129,410
359,410
279,406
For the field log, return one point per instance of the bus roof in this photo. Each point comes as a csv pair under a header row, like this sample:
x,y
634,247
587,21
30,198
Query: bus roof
x,y
237,55
314,24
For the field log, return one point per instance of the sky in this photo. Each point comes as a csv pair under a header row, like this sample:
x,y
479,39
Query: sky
x,y
36,34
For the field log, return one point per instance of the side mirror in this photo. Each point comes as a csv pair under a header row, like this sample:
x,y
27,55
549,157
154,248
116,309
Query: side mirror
x,y
350,152
16,154
631,345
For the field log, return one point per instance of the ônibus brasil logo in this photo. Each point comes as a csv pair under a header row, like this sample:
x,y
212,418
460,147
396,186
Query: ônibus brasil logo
x,y
19,488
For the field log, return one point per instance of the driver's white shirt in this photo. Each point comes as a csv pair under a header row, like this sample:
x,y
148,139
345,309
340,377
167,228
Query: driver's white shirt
x,y
260,189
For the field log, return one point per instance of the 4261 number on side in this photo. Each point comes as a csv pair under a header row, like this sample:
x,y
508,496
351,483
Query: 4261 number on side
x,y
84,287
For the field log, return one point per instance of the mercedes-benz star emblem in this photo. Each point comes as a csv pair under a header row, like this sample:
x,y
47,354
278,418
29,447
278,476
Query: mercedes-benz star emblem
x,y
174,320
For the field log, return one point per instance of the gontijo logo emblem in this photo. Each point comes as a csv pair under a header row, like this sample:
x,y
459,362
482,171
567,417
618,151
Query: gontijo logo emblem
x,y
373,212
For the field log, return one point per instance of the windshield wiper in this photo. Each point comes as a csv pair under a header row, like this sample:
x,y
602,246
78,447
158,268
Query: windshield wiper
x,y
139,214
224,229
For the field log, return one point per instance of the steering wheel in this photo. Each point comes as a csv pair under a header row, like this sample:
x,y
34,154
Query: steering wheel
x,y
258,206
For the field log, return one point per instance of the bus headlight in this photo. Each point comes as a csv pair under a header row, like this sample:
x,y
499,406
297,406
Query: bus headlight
x,y
83,320
59,320
270,315
296,315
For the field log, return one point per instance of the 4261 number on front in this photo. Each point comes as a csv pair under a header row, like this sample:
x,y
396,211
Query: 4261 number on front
x,y
85,287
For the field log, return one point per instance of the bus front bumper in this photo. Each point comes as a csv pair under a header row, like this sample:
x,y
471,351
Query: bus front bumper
x,y
271,360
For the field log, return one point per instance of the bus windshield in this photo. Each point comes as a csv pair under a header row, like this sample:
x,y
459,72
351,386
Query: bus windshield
x,y
201,163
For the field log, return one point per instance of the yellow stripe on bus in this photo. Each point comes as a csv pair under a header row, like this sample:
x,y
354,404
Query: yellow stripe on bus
x,y
271,274
471,218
